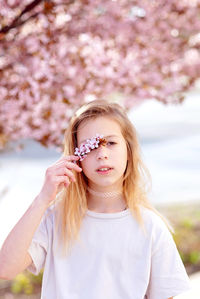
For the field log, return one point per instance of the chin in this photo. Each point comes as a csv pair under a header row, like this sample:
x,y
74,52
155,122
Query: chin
x,y
107,183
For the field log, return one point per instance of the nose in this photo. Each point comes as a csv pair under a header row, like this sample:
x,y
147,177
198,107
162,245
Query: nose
x,y
101,152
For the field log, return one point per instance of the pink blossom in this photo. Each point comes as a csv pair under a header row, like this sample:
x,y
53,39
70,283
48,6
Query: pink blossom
x,y
88,146
70,54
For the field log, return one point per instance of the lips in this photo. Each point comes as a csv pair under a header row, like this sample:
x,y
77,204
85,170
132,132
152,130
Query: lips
x,y
104,166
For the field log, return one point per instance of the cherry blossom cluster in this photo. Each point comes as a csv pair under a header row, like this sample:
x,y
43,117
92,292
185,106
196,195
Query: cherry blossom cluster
x,y
52,60
88,146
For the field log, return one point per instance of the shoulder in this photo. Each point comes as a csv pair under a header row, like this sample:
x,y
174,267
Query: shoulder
x,y
150,216
153,222
158,231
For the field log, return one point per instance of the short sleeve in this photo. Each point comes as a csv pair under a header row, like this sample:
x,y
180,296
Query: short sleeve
x,y
38,247
168,276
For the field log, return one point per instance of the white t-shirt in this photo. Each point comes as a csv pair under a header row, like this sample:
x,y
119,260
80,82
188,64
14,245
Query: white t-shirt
x,y
114,260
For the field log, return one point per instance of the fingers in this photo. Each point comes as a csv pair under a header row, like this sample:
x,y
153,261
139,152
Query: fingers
x,y
64,167
68,158
68,165
71,158
71,166
59,174
65,171
63,180
67,162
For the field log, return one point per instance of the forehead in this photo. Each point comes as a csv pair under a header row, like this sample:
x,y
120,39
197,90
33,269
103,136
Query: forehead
x,y
102,125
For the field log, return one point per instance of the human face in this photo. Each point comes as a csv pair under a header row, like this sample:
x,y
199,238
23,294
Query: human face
x,y
113,154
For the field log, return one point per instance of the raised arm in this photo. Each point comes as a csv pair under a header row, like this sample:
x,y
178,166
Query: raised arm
x,y
14,256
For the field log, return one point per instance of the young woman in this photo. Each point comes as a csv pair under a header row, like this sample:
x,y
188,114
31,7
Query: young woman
x,y
91,226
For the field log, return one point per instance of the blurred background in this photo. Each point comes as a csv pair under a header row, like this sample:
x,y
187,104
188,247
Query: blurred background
x,y
57,55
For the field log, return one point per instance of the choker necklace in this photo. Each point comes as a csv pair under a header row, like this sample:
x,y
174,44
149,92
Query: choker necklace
x,y
104,194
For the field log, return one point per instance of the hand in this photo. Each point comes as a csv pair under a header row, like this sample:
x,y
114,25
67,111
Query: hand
x,y
57,176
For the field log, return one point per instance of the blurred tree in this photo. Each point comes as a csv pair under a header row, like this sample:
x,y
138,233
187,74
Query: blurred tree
x,y
55,55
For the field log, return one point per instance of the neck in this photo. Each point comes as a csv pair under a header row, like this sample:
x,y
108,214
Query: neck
x,y
108,202
108,194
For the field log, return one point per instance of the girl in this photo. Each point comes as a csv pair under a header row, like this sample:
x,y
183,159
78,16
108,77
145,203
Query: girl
x,y
91,226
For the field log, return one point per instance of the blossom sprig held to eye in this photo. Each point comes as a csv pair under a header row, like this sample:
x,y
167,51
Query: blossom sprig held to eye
x,y
89,145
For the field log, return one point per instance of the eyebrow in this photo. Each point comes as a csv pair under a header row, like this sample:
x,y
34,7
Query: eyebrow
x,y
103,137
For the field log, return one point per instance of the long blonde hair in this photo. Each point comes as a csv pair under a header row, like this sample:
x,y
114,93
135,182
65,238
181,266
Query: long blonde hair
x,y
72,201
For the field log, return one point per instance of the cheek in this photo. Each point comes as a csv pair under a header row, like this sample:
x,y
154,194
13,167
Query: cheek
x,y
122,150
123,155
85,164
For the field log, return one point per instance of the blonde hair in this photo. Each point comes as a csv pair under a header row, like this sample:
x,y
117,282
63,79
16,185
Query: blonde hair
x,y
72,201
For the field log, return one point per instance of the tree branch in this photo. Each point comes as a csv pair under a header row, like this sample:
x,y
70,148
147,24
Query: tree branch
x,y
17,21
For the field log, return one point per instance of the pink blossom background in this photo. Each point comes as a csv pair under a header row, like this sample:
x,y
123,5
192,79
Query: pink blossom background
x,y
56,55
